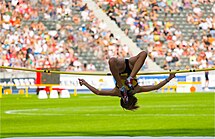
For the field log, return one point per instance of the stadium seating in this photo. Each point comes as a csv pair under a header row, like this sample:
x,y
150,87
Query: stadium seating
x,y
177,19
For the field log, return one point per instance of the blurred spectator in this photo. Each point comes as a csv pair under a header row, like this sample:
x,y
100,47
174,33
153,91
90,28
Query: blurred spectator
x,y
190,18
197,10
165,65
169,57
90,67
213,9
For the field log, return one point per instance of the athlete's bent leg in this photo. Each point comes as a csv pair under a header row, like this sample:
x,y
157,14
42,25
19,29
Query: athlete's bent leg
x,y
115,72
140,59
137,62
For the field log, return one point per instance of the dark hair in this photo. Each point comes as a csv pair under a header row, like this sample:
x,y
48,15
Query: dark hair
x,y
131,104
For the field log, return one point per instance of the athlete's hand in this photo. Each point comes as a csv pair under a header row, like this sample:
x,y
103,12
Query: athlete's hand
x,y
171,76
82,81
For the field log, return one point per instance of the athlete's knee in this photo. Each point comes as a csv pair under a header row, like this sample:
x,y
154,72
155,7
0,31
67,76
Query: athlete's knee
x,y
112,60
143,54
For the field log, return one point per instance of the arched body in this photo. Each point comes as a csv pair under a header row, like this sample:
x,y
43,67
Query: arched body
x,y
122,70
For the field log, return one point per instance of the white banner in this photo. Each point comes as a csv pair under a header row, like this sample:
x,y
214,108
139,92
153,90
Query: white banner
x,y
99,82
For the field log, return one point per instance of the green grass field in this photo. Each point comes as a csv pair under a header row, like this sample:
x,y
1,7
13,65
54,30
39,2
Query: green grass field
x,y
90,115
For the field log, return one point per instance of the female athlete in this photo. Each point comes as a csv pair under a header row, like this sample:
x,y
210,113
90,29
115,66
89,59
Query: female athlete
x,y
124,72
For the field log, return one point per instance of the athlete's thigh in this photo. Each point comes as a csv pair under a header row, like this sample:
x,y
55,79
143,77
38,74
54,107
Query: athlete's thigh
x,y
133,59
121,64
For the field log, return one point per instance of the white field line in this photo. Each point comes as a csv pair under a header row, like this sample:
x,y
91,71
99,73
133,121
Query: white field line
x,y
34,112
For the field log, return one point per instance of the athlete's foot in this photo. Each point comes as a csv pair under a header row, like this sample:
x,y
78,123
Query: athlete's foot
x,y
129,81
124,94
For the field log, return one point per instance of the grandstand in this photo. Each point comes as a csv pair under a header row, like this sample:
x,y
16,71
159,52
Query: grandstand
x,y
75,34
158,28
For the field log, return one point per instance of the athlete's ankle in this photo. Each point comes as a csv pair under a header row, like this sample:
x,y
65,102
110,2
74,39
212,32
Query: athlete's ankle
x,y
129,81
130,77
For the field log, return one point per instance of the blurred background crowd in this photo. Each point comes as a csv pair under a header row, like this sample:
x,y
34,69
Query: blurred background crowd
x,y
67,35
176,33
54,33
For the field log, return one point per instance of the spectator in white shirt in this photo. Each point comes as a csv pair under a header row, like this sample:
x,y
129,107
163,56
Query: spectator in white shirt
x,y
213,9
197,10
91,67
203,25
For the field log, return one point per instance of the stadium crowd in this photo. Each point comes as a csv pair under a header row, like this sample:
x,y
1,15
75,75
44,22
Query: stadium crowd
x,y
162,36
27,40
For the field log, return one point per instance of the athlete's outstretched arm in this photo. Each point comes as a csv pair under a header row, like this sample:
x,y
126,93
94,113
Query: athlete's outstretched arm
x,y
96,91
156,87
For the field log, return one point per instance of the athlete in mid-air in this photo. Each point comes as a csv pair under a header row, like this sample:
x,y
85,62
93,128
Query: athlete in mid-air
x,y
124,72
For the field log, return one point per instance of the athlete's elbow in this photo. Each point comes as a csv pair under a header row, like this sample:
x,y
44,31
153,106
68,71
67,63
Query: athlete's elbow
x,y
97,92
